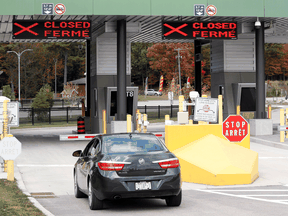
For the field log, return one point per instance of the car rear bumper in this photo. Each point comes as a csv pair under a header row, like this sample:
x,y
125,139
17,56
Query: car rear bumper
x,y
115,188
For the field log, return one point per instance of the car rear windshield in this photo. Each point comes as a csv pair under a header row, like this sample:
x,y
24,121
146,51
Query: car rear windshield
x,y
131,143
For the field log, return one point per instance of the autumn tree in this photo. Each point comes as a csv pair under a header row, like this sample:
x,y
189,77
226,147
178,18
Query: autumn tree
x,y
163,59
38,66
274,60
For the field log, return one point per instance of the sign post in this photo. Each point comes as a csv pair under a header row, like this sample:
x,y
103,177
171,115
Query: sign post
x,y
10,148
235,128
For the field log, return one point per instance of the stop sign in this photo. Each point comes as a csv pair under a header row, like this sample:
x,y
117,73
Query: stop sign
x,y
235,128
10,148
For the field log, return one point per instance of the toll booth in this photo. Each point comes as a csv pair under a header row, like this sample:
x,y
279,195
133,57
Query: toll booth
x,y
111,105
245,96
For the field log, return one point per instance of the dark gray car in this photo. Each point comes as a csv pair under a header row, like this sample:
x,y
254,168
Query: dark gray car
x,y
126,165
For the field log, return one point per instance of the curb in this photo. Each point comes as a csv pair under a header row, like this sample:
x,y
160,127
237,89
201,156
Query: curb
x,y
22,187
268,143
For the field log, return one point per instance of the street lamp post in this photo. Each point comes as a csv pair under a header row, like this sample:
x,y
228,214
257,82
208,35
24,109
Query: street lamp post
x,y
55,60
19,56
178,56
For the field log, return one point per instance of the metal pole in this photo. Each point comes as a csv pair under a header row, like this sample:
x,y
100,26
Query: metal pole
x,y
121,70
179,69
260,72
19,56
197,81
55,60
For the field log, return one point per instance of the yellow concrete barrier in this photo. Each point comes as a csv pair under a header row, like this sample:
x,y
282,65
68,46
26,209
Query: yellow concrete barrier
x,y
215,161
177,136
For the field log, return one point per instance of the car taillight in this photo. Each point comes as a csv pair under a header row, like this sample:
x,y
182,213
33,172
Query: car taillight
x,y
110,166
169,164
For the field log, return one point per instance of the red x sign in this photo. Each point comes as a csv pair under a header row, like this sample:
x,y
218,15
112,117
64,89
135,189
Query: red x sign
x,y
175,29
26,29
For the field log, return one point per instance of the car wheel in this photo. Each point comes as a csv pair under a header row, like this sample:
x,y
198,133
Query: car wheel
x,y
174,200
94,202
77,192
156,94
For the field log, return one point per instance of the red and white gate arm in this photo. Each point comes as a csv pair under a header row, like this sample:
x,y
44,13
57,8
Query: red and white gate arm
x,y
91,136
77,137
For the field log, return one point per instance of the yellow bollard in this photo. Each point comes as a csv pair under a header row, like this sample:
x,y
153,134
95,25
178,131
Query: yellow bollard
x,y
181,99
190,122
129,126
5,118
204,96
238,110
104,125
282,133
167,117
269,111
144,120
5,165
139,120
286,121
220,110
10,170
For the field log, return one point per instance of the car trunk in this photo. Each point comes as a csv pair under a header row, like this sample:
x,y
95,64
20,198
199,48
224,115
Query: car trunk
x,y
141,164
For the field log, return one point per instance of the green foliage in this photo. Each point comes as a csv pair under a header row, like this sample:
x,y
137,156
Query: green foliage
x,y
43,101
7,92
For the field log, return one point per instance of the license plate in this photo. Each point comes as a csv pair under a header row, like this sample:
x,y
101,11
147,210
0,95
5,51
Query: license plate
x,y
143,186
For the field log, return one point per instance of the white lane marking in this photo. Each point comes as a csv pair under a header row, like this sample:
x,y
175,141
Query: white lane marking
x,y
44,165
262,190
273,157
265,195
241,196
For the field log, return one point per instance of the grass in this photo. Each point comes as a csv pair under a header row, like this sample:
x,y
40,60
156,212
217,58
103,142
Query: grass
x,y
148,98
13,202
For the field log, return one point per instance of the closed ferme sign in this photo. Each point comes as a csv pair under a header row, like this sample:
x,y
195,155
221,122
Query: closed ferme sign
x,y
199,30
52,29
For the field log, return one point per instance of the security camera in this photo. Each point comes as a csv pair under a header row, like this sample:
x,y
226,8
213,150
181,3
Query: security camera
x,y
257,24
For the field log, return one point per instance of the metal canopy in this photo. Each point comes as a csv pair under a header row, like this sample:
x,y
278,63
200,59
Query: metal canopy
x,y
151,29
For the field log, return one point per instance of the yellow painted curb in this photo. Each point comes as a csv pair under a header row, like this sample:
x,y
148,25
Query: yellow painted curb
x,y
215,161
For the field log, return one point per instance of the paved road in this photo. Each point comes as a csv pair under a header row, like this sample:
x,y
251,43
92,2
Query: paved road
x,y
46,166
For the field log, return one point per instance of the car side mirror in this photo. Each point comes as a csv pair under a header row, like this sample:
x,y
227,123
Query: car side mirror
x,y
77,153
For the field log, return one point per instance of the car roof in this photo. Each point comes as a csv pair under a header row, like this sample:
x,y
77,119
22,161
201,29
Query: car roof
x,y
115,134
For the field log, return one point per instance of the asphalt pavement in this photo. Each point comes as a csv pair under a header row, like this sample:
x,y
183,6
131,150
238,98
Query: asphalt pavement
x,y
38,139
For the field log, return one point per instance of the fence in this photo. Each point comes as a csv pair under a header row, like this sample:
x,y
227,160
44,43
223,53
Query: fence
x,y
56,103
49,115
158,112
70,114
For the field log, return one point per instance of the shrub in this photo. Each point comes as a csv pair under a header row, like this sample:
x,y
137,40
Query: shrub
x,y
42,101
7,92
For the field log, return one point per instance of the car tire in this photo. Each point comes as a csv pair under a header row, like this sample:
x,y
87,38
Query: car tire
x,y
77,192
174,200
94,202
156,94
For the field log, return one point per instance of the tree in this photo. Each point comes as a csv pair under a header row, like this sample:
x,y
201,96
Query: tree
x,y
274,59
7,92
140,68
43,101
163,59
